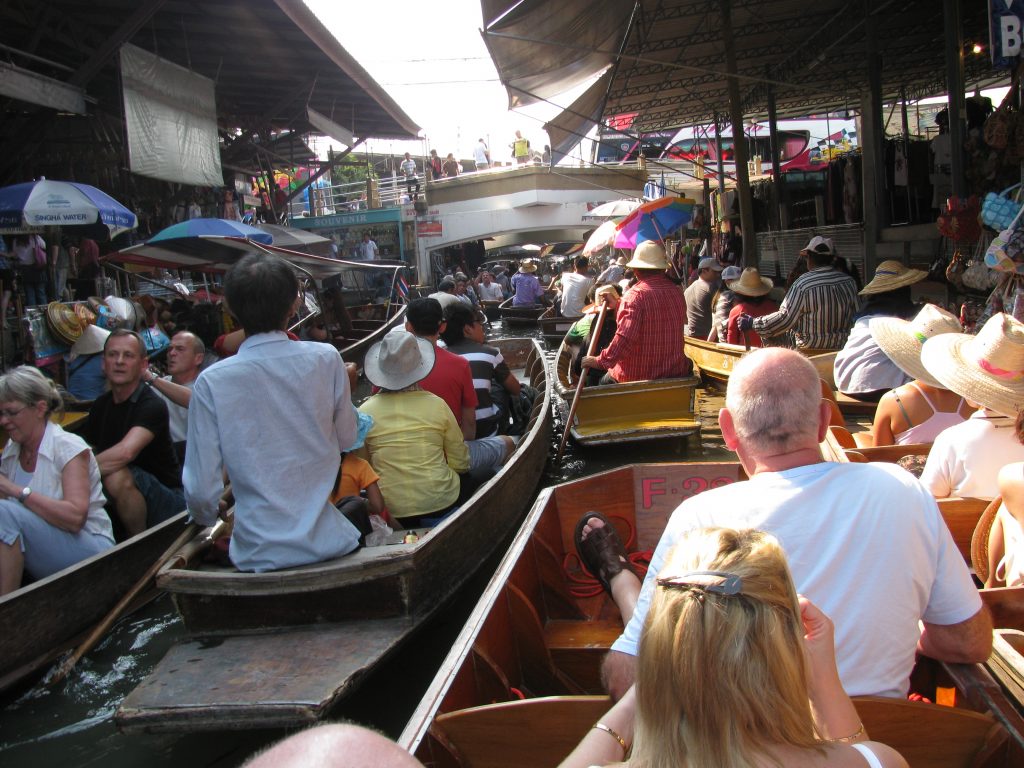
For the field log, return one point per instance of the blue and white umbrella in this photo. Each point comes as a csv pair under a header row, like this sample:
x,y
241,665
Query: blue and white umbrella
x,y
47,203
211,228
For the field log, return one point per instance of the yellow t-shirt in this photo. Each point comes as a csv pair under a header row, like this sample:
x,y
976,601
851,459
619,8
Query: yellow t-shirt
x,y
417,448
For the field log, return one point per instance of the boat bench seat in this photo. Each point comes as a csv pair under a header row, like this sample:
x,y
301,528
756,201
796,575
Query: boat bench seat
x,y
578,648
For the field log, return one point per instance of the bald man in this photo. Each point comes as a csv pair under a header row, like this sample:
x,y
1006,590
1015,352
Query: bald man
x,y
865,542
184,360
335,746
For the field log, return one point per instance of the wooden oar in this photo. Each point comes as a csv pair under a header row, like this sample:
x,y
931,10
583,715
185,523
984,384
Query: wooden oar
x,y
598,324
115,613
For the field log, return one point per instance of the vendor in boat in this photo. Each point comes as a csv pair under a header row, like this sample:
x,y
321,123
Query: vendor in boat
x,y
415,444
730,646
918,411
582,331
648,341
987,370
276,417
862,370
819,308
751,298
487,289
526,286
840,524
129,429
51,496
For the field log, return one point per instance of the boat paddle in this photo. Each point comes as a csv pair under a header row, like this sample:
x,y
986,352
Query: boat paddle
x,y
191,529
595,335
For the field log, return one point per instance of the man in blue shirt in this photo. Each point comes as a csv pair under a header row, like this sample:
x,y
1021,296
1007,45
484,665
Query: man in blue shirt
x,y
276,417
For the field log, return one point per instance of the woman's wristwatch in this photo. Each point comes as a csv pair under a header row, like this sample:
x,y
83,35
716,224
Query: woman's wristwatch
x,y
25,493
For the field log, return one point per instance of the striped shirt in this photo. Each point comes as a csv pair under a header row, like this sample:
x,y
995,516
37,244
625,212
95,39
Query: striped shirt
x,y
486,365
648,342
819,307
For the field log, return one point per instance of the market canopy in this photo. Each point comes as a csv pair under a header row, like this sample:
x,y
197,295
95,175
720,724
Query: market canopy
x,y
669,59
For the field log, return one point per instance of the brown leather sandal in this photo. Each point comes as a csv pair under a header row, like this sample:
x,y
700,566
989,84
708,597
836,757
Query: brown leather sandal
x,y
601,552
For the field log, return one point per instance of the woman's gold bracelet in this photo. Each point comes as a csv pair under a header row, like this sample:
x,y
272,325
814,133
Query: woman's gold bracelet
x,y
614,735
844,739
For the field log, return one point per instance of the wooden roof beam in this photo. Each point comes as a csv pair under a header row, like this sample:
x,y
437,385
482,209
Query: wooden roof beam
x,y
129,27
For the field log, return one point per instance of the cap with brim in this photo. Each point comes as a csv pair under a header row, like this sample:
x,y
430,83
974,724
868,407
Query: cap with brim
x,y
63,323
820,245
648,255
399,361
91,342
891,275
901,340
528,266
710,263
750,283
731,272
987,369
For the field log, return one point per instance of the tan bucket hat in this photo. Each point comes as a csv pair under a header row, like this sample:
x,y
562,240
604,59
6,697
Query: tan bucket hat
x,y
399,361
987,369
902,339
649,255
527,266
750,283
890,275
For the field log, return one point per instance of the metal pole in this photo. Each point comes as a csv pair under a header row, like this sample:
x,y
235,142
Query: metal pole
x,y
739,142
955,89
721,184
779,218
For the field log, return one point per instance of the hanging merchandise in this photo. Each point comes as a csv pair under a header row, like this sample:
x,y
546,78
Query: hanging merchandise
x,y
1008,297
998,211
977,275
1006,252
959,222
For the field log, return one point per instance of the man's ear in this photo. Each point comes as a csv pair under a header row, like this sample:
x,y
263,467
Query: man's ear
x,y
728,429
408,326
824,418
441,327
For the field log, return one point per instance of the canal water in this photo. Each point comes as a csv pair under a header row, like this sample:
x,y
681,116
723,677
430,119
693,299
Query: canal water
x,y
71,724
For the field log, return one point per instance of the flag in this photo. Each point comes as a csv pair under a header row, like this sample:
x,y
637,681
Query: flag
x,y
402,288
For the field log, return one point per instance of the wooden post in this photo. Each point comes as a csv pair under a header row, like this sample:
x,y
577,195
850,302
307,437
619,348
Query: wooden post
x,y
872,136
955,88
739,143
779,216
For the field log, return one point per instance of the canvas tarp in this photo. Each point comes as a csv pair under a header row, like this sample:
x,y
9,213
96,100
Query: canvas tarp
x,y
171,120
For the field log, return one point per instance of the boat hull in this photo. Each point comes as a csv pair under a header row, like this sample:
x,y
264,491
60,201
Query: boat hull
x,y
714,361
553,327
520,316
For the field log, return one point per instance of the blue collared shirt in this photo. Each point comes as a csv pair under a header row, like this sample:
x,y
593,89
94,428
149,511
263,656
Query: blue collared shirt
x,y
276,416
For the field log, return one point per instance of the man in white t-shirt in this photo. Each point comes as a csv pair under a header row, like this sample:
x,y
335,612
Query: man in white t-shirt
x,y
412,181
369,249
572,289
865,542
487,289
481,155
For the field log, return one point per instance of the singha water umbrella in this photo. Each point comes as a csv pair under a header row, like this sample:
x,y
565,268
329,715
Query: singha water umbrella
x,y
655,220
47,203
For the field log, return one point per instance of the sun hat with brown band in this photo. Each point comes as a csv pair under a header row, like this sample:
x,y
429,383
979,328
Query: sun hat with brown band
x,y
901,340
648,255
63,322
987,369
750,283
527,266
890,275
399,361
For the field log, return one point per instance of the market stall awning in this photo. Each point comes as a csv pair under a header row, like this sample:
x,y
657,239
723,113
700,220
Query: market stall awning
x,y
576,121
670,71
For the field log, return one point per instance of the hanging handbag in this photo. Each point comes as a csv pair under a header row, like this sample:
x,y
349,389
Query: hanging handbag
x,y
998,211
959,222
1006,251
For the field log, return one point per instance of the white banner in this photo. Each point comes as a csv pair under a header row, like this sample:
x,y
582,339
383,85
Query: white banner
x,y
171,116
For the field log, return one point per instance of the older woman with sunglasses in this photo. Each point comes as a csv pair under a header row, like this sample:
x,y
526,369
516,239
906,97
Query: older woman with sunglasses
x,y
51,498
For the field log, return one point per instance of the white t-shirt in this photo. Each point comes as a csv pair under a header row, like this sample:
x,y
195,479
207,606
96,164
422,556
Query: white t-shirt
x,y
480,154
491,292
865,542
369,250
861,366
409,167
177,416
965,459
574,293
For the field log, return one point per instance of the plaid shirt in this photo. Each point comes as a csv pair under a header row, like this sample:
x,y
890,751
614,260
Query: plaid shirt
x,y
819,308
648,341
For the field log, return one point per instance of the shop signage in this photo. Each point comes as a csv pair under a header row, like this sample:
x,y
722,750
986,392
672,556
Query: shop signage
x,y
428,228
1006,27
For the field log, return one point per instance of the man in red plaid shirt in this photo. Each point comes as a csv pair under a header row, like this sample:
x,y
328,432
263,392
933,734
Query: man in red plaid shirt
x,y
648,341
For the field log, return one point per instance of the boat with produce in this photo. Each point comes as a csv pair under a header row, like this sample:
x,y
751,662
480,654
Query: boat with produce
x,y
622,413
521,685
277,649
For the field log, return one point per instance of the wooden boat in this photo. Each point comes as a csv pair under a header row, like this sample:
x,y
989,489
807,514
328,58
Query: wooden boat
x,y
49,616
825,365
553,327
491,309
277,649
638,410
520,316
712,360
521,685
370,324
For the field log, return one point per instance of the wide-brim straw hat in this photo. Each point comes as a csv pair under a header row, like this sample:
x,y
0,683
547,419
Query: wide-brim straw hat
x,y
890,275
63,323
750,283
901,340
92,341
399,361
528,266
599,299
987,369
648,255
622,261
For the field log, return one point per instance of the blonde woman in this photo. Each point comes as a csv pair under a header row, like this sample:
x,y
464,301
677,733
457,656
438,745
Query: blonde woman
x,y
734,671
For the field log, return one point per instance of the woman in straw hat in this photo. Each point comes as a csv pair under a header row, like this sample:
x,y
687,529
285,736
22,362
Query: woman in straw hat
x,y
987,369
734,669
51,496
751,299
862,370
415,444
918,411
